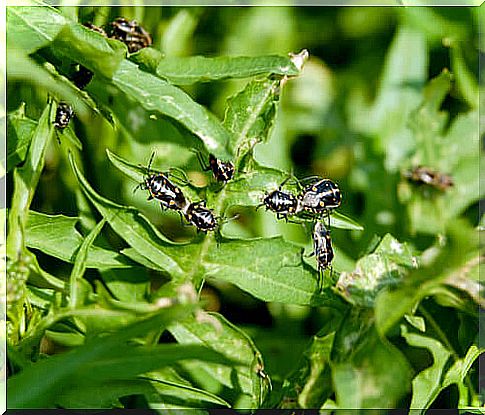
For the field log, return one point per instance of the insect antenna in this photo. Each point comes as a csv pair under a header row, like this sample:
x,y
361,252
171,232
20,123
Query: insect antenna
x,y
150,163
183,179
200,159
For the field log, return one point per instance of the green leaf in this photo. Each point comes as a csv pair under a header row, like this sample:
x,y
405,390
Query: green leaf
x,y
137,231
392,304
158,96
79,267
130,285
431,381
175,392
385,267
177,36
134,172
399,94
376,375
21,67
127,362
31,28
189,70
217,333
250,115
341,221
465,80
426,384
26,179
87,394
277,273
451,152
44,232
91,49
20,130
39,385
311,383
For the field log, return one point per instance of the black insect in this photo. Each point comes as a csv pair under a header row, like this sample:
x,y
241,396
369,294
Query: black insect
x,y
200,216
281,202
222,170
83,75
98,29
64,113
322,248
162,189
425,175
320,197
130,33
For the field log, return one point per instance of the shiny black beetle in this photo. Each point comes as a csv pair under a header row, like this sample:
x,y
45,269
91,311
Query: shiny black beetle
x,y
83,75
281,202
320,197
221,170
134,36
64,113
198,215
162,189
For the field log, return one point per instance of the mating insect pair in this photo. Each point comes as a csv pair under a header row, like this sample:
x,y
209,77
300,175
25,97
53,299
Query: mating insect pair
x,y
171,197
319,197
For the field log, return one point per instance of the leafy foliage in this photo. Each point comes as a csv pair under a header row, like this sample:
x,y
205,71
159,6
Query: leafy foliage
x,y
113,303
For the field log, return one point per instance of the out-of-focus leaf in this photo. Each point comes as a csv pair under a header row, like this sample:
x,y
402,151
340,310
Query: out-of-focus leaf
x,y
56,235
465,80
376,375
19,134
132,284
217,333
311,384
399,94
31,28
453,153
175,392
186,71
102,395
177,37
127,362
23,68
158,96
250,114
392,304
428,383
385,267
57,372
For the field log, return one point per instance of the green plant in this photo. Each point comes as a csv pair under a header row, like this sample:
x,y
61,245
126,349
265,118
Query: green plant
x,y
129,323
